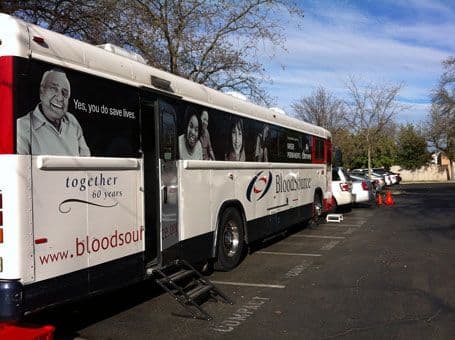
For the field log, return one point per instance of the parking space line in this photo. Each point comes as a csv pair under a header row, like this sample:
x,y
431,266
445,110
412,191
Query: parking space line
x,y
321,236
245,284
286,254
356,220
342,225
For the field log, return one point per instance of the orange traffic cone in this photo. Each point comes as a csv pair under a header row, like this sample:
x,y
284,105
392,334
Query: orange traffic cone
x,y
379,199
388,198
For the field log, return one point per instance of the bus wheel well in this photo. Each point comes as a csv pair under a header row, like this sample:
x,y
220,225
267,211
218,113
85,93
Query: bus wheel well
x,y
229,204
237,205
318,192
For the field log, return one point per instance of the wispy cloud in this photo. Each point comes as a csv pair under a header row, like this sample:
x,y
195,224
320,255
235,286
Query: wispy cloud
x,y
340,39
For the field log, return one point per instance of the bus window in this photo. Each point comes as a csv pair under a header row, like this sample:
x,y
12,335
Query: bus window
x,y
319,149
274,144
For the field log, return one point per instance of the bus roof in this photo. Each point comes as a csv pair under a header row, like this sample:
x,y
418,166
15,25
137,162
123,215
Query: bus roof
x,y
24,40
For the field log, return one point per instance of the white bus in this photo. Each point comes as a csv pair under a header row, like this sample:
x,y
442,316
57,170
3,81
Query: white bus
x,y
110,168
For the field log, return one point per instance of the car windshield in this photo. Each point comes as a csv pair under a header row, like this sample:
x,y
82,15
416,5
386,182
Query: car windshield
x,y
335,176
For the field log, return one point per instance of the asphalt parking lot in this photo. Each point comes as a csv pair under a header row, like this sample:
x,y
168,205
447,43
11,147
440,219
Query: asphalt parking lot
x,y
384,272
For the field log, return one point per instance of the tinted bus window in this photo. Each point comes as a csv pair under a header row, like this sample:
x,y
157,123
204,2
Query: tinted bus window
x,y
319,152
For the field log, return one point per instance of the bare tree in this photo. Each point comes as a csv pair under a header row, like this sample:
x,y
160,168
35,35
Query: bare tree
x,y
441,120
372,108
216,43
444,95
89,20
321,108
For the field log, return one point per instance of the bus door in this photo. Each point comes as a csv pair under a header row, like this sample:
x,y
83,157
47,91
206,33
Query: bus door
x,y
160,176
168,175
151,176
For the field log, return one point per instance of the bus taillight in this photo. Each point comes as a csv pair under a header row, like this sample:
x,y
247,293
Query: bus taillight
x,y
6,106
1,227
1,218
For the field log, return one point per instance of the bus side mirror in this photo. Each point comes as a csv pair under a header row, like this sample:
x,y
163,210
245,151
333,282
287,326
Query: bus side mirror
x,y
338,157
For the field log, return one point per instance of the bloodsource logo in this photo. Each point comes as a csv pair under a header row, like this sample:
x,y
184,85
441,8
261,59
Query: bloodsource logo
x,y
259,186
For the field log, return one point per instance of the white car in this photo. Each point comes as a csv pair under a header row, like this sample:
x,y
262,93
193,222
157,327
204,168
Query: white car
x,y
341,188
374,182
381,178
362,190
392,177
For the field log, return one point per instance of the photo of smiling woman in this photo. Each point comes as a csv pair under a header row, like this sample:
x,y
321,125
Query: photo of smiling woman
x,y
189,144
236,150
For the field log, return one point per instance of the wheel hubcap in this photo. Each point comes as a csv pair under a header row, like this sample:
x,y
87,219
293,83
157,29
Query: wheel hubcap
x,y
317,209
231,239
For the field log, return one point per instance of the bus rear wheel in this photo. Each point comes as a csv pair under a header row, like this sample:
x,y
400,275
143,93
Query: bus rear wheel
x,y
230,240
318,209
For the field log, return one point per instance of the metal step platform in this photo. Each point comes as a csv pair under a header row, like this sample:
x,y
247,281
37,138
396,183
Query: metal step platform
x,y
189,288
336,218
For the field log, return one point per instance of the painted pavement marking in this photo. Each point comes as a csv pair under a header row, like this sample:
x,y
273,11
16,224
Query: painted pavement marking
x,y
349,231
240,315
286,254
329,245
297,270
247,284
333,225
321,237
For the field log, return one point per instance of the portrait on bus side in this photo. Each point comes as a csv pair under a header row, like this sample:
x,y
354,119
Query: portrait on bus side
x,y
49,129
189,141
261,153
206,143
235,142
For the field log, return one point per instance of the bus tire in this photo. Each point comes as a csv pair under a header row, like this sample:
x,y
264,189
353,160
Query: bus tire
x,y
335,205
230,240
318,208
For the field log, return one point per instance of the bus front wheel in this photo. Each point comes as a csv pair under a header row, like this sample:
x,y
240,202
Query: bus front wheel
x,y
230,240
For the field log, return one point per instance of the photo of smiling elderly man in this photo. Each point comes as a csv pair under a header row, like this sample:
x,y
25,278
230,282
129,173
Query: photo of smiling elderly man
x,y
50,129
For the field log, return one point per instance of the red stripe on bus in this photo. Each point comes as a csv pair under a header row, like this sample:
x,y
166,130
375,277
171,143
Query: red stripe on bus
x,y
6,106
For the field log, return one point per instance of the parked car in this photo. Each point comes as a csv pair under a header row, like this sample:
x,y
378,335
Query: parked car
x,y
390,178
380,173
397,175
341,188
362,190
396,178
380,180
373,182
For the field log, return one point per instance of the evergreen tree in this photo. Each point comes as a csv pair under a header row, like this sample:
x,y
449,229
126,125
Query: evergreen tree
x,y
412,148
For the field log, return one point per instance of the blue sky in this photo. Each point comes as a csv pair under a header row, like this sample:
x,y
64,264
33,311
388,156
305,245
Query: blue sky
x,y
388,41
